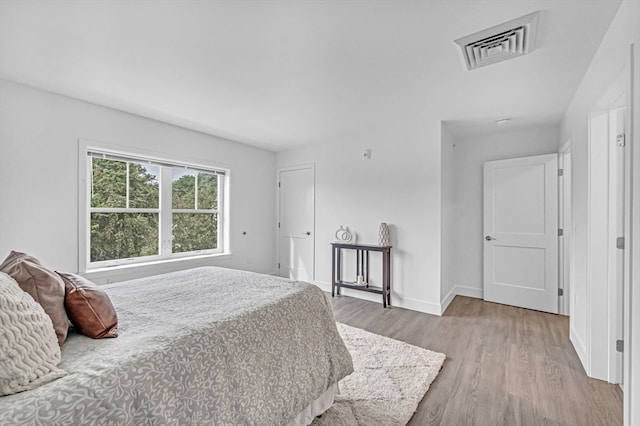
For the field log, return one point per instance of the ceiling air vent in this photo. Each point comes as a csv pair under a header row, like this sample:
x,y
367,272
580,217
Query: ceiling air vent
x,y
499,43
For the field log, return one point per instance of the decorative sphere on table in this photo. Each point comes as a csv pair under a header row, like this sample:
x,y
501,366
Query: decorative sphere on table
x,y
343,235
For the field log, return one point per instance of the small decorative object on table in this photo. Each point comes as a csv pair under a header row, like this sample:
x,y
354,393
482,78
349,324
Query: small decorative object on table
x,y
384,239
343,235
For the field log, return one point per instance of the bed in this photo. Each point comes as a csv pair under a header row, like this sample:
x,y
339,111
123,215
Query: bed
x,y
203,346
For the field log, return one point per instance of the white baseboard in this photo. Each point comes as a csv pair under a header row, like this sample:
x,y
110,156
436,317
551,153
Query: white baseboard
x,y
418,305
409,303
444,304
459,290
476,292
396,300
581,349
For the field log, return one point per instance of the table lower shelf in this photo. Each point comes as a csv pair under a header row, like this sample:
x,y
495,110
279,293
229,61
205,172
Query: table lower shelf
x,y
353,285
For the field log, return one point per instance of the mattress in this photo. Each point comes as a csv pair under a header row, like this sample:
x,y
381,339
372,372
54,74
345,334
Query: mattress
x,y
203,346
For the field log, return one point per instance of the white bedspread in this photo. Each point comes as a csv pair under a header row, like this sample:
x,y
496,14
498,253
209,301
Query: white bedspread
x,y
204,346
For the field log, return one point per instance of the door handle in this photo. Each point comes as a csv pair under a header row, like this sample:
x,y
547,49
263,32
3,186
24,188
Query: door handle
x,y
306,233
489,238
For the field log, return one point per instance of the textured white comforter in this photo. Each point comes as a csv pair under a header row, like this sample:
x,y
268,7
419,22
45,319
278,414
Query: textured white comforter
x,y
204,346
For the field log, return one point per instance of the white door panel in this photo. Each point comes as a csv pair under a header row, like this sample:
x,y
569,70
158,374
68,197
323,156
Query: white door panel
x,y
296,223
516,211
521,230
294,259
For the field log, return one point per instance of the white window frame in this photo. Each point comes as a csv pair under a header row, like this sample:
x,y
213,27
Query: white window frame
x,y
164,210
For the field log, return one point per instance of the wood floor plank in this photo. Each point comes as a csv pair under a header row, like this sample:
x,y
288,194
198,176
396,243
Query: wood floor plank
x,y
505,365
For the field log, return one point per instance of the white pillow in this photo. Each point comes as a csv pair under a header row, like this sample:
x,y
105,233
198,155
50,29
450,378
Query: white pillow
x,y
29,350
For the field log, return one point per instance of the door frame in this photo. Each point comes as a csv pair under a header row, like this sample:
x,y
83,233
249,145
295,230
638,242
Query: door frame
x,y
631,375
312,167
565,222
617,258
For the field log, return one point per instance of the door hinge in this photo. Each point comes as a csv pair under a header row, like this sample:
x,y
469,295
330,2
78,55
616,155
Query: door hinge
x,y
560,292
620,345
560,172
620,243
278,265
620,139
278,225
278,184
560,232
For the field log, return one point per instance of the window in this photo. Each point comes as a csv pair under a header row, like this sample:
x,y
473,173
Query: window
x,y
195,211
144,210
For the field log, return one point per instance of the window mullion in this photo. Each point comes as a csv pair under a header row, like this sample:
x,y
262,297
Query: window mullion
x,y
196,188
87,216
166,216
121,210
127,188
195,211
90,173
221,218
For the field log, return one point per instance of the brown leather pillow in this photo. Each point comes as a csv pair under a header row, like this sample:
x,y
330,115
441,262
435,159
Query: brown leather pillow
x,y
89,307
43,285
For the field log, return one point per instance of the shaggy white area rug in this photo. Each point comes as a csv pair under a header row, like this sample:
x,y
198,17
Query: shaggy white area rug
x,y
390,379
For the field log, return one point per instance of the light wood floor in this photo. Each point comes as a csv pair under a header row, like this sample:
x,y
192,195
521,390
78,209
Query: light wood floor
x,y
505,365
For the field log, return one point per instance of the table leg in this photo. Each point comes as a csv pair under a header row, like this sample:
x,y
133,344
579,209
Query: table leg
x,y
338,268
333,272
384,280
386,265
366,268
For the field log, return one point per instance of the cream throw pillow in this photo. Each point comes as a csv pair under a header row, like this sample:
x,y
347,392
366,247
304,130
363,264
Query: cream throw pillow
x,y
29,350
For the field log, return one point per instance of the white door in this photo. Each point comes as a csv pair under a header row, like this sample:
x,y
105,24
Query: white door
x,y
521,232
296,223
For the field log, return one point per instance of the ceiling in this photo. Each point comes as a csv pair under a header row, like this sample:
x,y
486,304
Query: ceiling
x,y
281,74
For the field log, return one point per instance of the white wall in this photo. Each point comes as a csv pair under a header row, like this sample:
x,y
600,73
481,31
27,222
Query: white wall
x,y
399,185
609,61
39,134
470,153
448,263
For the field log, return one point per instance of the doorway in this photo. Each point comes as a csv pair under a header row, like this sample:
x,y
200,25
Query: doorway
x,y
296,221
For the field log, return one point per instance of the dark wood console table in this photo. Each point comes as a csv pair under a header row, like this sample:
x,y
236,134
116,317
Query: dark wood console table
x,y
362,268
